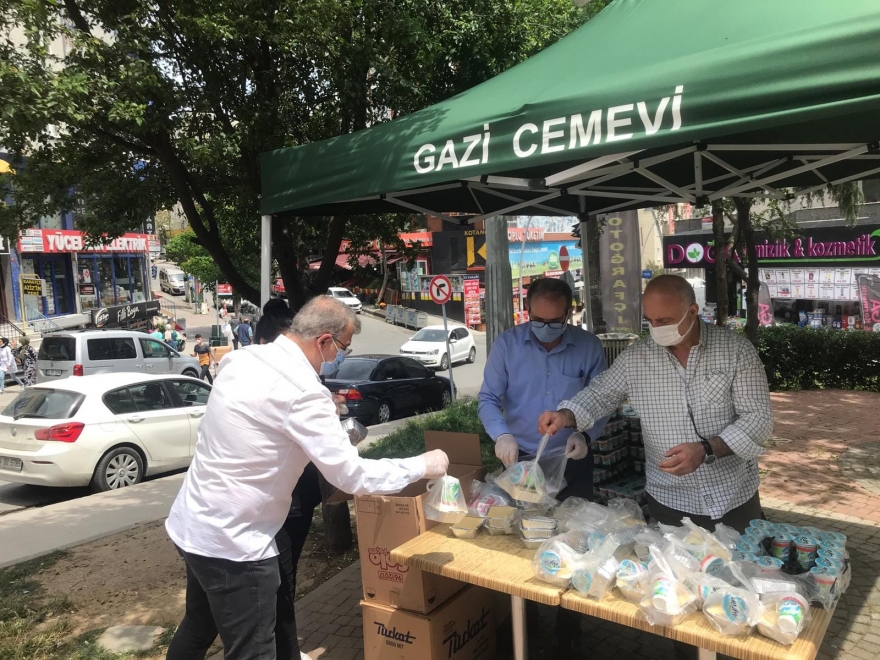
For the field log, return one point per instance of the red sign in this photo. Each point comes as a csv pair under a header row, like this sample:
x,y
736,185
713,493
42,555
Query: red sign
x,y
55,241
440,289
472,314
563,258
224,289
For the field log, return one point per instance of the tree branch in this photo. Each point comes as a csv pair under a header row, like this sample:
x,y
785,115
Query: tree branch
x,y
74,13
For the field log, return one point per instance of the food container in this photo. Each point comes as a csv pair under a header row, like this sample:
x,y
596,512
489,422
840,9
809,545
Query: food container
x,y
500,516
468,527
824,579
532,521
792,610
781,546
836,537
543,534
356,431
711,565
769,564
805,549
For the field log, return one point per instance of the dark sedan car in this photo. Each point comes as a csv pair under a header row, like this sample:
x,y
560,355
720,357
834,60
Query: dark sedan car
x,y
379,387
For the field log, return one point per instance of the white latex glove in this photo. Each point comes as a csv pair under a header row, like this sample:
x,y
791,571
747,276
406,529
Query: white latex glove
x,y
436,463
506,449
576,448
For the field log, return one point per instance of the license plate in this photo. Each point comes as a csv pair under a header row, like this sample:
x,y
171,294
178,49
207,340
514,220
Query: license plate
x,y
53,372
13,464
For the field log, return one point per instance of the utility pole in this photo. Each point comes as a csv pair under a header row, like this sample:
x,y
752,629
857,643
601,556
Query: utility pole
x,y
499,280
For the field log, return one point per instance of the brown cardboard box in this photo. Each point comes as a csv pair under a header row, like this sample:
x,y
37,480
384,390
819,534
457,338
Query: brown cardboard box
x,y
461,629
385,522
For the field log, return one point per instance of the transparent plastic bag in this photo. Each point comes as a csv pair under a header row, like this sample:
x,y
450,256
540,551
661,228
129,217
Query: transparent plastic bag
x,y
714,546
706,585
555,562
629,575
731,610
667,597
553,464
728,536
445,500
484,496
625,512
583,515
594,577
785,616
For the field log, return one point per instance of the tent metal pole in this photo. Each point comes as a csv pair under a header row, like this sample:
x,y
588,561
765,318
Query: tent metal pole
x,y
265,259
499,280
587,318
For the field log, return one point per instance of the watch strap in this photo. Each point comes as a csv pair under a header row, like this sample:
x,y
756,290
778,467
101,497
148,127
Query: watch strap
x,y
708,447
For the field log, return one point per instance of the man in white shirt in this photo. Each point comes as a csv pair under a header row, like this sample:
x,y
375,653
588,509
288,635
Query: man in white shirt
x,y
267,417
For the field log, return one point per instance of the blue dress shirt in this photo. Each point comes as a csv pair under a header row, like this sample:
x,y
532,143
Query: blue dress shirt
x,y
522,379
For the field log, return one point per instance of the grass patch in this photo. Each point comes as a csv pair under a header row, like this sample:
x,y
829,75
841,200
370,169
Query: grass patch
x,y
409,439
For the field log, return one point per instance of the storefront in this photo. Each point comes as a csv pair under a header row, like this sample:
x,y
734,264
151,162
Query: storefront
x,y
79,277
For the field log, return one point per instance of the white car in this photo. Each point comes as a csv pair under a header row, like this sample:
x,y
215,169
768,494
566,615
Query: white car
x,y
106,430
345,296
428,346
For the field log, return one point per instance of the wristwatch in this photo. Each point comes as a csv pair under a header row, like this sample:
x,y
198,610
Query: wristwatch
x,y
710,455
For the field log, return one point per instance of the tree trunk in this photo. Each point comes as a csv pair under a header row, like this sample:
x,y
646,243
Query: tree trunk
x,y
337,520
743,214
722,304
384,273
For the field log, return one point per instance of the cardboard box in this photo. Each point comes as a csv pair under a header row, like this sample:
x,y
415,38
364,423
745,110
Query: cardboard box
x,y
461,629
385,522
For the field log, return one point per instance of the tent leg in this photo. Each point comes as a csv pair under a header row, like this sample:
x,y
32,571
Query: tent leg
x,y
265,259
499,280
587,321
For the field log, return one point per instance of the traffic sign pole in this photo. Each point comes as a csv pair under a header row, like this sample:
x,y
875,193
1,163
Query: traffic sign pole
x,y
448,351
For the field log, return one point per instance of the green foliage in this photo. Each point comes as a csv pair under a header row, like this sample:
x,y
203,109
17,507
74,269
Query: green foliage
x,y
409,439
810,359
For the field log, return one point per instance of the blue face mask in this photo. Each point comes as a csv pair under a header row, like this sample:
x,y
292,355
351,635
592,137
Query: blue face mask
x,y
328,368
545,334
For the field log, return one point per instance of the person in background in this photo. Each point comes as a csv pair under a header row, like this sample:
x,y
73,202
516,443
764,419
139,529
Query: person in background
x,y
532,367
245,332
233,326
267,417
205,354
157,334
28,362
7,364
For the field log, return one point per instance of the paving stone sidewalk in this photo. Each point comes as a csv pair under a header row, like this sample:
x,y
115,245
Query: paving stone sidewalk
x,y
811,475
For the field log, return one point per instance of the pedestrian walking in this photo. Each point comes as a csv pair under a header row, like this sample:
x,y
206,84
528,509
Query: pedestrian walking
x,y
267,418
245,332
28,362
206,359
7,364
233,325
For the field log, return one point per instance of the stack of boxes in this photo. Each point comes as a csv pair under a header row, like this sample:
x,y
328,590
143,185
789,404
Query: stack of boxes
x,y
409,614
619,460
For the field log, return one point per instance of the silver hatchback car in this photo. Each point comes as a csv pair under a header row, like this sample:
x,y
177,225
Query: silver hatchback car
x,y
87,352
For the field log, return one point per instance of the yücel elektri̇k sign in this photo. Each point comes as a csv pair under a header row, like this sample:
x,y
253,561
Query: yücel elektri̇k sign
x,y
614,124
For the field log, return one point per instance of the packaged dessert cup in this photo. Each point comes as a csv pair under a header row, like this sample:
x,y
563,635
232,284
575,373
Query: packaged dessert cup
x,y
784,617
554,562
445,500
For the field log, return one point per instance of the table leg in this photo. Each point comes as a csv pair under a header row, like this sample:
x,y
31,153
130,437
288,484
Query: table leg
x,y
520,630
705,654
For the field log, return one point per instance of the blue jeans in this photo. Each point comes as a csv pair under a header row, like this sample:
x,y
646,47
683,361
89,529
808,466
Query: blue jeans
x,y
14,376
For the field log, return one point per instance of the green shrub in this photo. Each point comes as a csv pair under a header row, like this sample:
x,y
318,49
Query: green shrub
x,y
409,440
810,359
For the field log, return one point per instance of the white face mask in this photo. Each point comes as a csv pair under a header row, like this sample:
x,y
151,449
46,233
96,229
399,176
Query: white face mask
x,y
668,335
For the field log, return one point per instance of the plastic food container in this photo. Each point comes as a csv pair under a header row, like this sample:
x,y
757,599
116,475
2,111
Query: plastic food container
x,y
468,527
531,521
542,534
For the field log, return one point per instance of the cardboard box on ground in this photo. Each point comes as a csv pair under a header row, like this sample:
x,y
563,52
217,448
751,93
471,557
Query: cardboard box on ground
x,y
385,522
463,628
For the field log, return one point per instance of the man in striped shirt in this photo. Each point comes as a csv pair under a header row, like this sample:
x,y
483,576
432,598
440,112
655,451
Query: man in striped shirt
x,y
702,396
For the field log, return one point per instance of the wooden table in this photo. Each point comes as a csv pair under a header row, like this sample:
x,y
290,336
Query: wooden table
x,y
502,563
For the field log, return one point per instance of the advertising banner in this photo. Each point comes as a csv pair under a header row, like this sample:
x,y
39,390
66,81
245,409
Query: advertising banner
x,y
869,293
123,314
621,272
472,315
765,305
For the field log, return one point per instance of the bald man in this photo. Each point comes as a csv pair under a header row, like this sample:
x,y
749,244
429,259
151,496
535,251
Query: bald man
x,y
702,396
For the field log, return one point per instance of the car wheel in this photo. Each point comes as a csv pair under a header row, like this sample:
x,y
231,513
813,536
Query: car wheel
x,y
190,372
118,468
446,399
472,356
444,362
383,414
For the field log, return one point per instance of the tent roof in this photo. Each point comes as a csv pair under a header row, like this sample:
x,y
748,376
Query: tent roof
x,y
690,100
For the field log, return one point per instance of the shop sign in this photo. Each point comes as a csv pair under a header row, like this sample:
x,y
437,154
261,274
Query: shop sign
x,y
869,293
472,313
620,269
123,314
33,286
87,289
826,245
64,240
224,289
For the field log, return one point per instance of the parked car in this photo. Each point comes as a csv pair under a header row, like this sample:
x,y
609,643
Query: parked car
x,y
428,346
378,388
277,288
108,431
88,352
172,280
343,295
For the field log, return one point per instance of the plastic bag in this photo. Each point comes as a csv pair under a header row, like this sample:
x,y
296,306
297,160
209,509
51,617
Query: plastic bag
x,y
553,464
629,575
524,481
734,610
667,598
445,500
785,616
714,546
644,539
625,512
576,513
484,496
555,562
594,577
727,536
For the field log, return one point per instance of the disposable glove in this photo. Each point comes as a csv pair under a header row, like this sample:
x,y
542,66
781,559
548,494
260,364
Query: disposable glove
x,y
436,463
576,448
506,449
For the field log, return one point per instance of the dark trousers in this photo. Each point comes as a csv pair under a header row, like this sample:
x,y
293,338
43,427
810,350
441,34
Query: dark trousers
x,y
737,518
233,599
206,373
290,540
234,343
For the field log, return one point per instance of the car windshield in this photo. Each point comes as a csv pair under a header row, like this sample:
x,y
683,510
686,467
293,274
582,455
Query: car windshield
x,y
57,348
353,369
176,277
429,335
42,403
343,293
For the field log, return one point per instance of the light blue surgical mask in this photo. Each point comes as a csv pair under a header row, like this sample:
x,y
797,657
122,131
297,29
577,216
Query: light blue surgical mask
x,y
328,368
546,334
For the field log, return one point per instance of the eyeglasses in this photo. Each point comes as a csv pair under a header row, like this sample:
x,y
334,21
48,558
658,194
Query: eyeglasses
x,y
342,347
553,325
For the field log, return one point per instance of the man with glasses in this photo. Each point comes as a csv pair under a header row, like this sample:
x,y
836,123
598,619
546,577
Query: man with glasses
x,y
530,369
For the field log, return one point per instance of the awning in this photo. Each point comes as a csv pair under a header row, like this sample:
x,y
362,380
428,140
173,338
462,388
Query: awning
x,y
342,261
651,102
